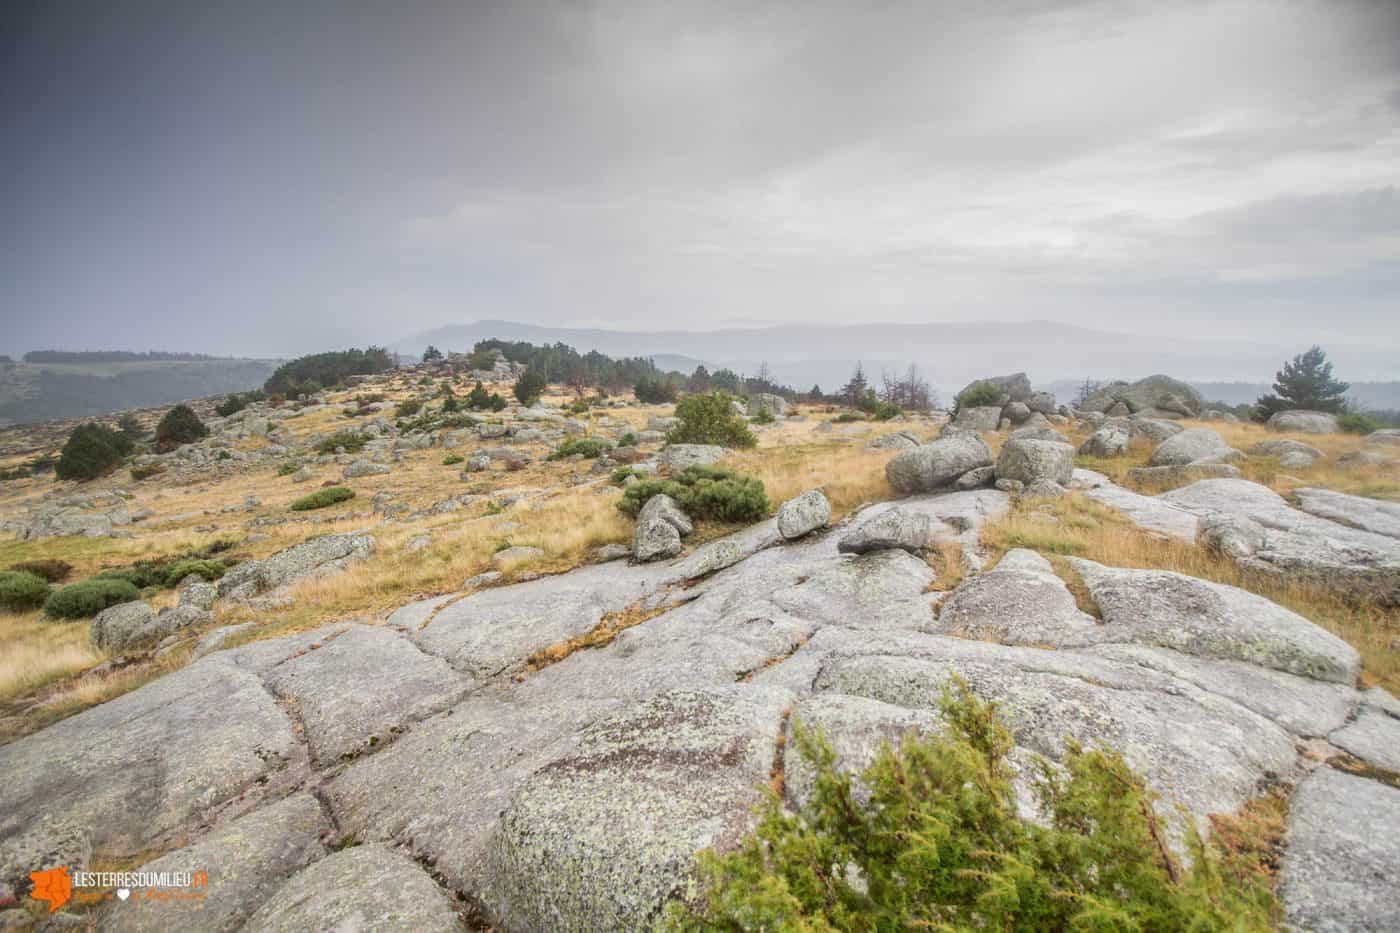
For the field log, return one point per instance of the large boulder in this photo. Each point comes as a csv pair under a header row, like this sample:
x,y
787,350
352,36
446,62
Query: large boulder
x,y
1176,474
803,514
1304,422
1014,388
1152,429
1187,447
895,527
937,464
125,624
1157,396
1031,461
1107,441
680,456
314,558
979,418
760,402
1043,402
660,526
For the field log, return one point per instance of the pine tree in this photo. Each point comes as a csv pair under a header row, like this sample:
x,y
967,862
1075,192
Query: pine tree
x,y
432,355
1306,383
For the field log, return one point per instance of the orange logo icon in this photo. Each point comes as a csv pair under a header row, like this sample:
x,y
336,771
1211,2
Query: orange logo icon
x,y
53,885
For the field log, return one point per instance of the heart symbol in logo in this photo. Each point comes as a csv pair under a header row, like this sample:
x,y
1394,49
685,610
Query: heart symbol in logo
x,y
123,893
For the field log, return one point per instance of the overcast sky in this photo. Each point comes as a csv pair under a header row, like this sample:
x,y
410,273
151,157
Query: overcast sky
x,y
276,178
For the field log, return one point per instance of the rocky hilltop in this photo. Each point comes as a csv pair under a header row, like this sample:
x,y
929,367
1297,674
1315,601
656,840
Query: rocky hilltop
x,y
551,741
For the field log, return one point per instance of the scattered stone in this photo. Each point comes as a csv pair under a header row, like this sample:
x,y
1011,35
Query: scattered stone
x,y
803,514
516,554
979,418
358,468
1108,441
126,624
316,557
900,440
607,552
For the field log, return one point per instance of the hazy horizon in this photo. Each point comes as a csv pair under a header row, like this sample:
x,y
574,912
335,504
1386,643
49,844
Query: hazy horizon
x,y
268,180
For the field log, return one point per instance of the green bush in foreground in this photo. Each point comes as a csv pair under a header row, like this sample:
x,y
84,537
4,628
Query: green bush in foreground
x,y
322,498
710,419
590,448
940,846
88,598
20,590
703,493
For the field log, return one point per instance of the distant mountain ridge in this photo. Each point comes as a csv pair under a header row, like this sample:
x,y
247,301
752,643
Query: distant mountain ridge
x,y
949,354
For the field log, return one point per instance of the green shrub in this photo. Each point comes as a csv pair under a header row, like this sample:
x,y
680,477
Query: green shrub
x,y
91,451
848,416
49,568
88,598
130,425
1356,423
21,591
224,455
408,408
208,569
478,399
529,386
654,390
452,460
940,845
710,419
579,407
352,441
590,448
764,416
703,493
619,476
233,404
980,394
179,426
322,498
884,411
287,469
627,440
146,472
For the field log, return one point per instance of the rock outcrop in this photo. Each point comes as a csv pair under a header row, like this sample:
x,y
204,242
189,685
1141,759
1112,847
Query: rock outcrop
x,y
1156,396
1304,422
314,558
937,464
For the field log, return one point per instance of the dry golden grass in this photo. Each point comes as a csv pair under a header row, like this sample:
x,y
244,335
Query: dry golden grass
x,y
1076,526
39,651
609,627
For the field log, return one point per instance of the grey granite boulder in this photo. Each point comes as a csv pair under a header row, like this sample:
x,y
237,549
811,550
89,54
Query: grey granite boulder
x,y
1281,446
358,468
1019,602
1339,867
1206,619
367,887
317,557
803,514
895,528
1154,430
1108,441
767,402
1187,447
116,627
680,456
662,507
1304,422
979,418
1374,737
1185,473
937,464
1031,461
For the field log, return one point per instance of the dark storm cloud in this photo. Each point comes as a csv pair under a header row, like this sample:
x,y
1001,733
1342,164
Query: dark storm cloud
x,y
275,178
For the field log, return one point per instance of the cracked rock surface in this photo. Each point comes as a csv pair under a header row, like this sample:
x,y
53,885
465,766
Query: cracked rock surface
x,y
485,780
